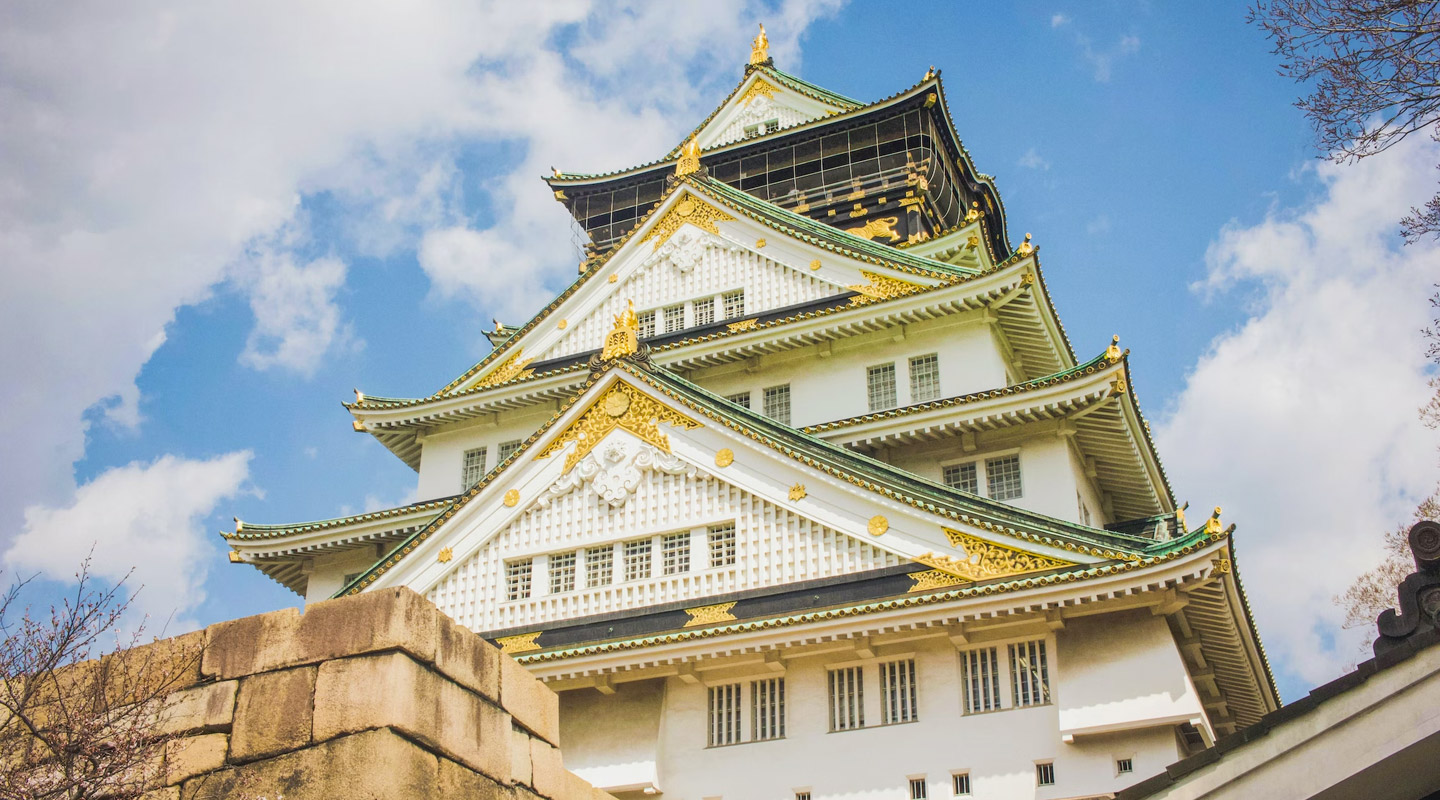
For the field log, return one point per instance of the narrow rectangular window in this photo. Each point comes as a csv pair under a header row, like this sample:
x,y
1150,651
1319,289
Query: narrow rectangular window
x,y
777,403
767,709
802,796
647,324
734,304
960,782
897,692
1124,765
741,399
917,789
847,698
962,477
880,386
675,553
474,468
674,318
704,311
724,717
517,579
1045,774
508,449
981,681
637,560
925,378
599,566
722,545
1002,477
562,572
1029,674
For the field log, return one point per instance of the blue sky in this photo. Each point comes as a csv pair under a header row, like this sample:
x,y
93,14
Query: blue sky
x,y
227,219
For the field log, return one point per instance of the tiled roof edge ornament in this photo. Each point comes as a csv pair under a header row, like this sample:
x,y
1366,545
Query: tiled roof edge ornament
x,y
760,50
1419,593
623,342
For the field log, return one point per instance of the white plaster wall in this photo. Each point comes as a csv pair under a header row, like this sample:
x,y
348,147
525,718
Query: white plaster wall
x,y
760,109
624,749
328,572
1086,488
999,748
442,454
1049,476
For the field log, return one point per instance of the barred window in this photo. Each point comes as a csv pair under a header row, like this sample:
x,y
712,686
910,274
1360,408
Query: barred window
x,y
925,378
517,579
960,782
777,403
962,477
741,399
880,386
674,318
562,572
599,566
917,789
1124,765
722,545
767,709
724,717
474,468
647,324
897,692
734,303
847,698
705,311
637,560
1002,477
675,553
802,796
508,449
981,680
1045,774
1029,674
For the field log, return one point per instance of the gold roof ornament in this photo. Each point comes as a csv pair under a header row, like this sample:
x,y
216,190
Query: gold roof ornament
x,y
624,338
1180,518
1213,526
760,48
359,396
930,73
689,162
1113,353
1026,247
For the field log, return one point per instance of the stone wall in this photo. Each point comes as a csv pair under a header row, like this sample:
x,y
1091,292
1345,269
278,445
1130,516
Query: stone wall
x,y
375,696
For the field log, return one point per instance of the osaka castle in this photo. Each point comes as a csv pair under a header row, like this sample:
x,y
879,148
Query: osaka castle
x,y
800,490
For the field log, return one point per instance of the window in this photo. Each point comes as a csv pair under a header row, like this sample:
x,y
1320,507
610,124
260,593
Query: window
x,y
647,324
508,449
962,477
880,386
517,579
599,566
741,399
1029,674
924,378
802,796
768,126
960,782
897,692
705,311
674,318
724,719
847,698
562,573
1002,477
917,789
474,468
734,303
637,560
675,553
777,403
1045,774
722,545
767,709
1124,765
981,681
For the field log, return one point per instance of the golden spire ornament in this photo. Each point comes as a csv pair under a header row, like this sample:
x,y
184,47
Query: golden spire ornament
x,y
689,159
624,338
760,48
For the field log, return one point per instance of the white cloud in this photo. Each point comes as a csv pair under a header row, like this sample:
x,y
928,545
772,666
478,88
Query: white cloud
x,y
296,318
1102,61
1058,19
1033,160
145,517
1302,421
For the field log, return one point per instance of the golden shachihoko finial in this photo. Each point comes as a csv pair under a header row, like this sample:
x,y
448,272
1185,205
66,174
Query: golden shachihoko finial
x,y
689,158
760,48
623,339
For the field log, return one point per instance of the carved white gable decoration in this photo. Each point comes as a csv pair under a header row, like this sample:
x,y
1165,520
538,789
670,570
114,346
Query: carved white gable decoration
x,y
686,249
614,470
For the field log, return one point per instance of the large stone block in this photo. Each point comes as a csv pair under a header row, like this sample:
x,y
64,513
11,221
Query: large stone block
x,y
520,758
208,707
273,713
374,765
251,644
467,659
460,782
529,700
394,690
194,755
547,769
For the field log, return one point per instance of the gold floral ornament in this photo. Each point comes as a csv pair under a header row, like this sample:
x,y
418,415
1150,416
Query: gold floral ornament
x,y
709,615
760,88
1220,566
933,579
974,212
742,325
445,555
511,498
797,492
724,457
878,525
760,48
623,407
984,560
523,643
815,264
1117,386
688,210
511,369
880,287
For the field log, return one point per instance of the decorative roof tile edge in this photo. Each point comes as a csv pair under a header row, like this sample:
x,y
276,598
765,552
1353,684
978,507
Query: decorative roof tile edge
x,y
247,531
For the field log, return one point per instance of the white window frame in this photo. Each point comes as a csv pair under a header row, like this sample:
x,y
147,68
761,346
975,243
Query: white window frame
x,y
919,788
765,394
845,697
1045,769
881,392
899,692
982,469
741,399
960,783
519,579
646,320
735,309
724,714
1005,674
467,469
1124,765
507,449
753,697
704,311
599,561
931,391
644,557
974,470
673,315
722,545
675,553
1019,476
563,567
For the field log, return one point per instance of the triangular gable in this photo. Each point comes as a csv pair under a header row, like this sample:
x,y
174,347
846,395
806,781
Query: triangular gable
x,y
762,103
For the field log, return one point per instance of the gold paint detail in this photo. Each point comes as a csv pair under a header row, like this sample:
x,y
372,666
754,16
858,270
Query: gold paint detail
x,y
1220,566
445,555
797,492
973,242
614,278
359,396
689,162
357,426
933,579
881,287
743,325
1113,352
760,48
1117,386
802,208
560,194
511,498
760,88
930,99
562,324
688,210
1213,526
641,416
511,369
878,525
876,228
1180,518
1026,247
858,211
523,643
759,242
624,338
815,264
724,457
709,615
236,558
1028,279
974,212
984,560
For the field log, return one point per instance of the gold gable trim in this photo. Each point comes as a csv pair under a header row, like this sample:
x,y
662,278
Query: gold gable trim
x,y
620,406
512,368
523,643
708,615
689,209
933,579
760,88
985,560
881,287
